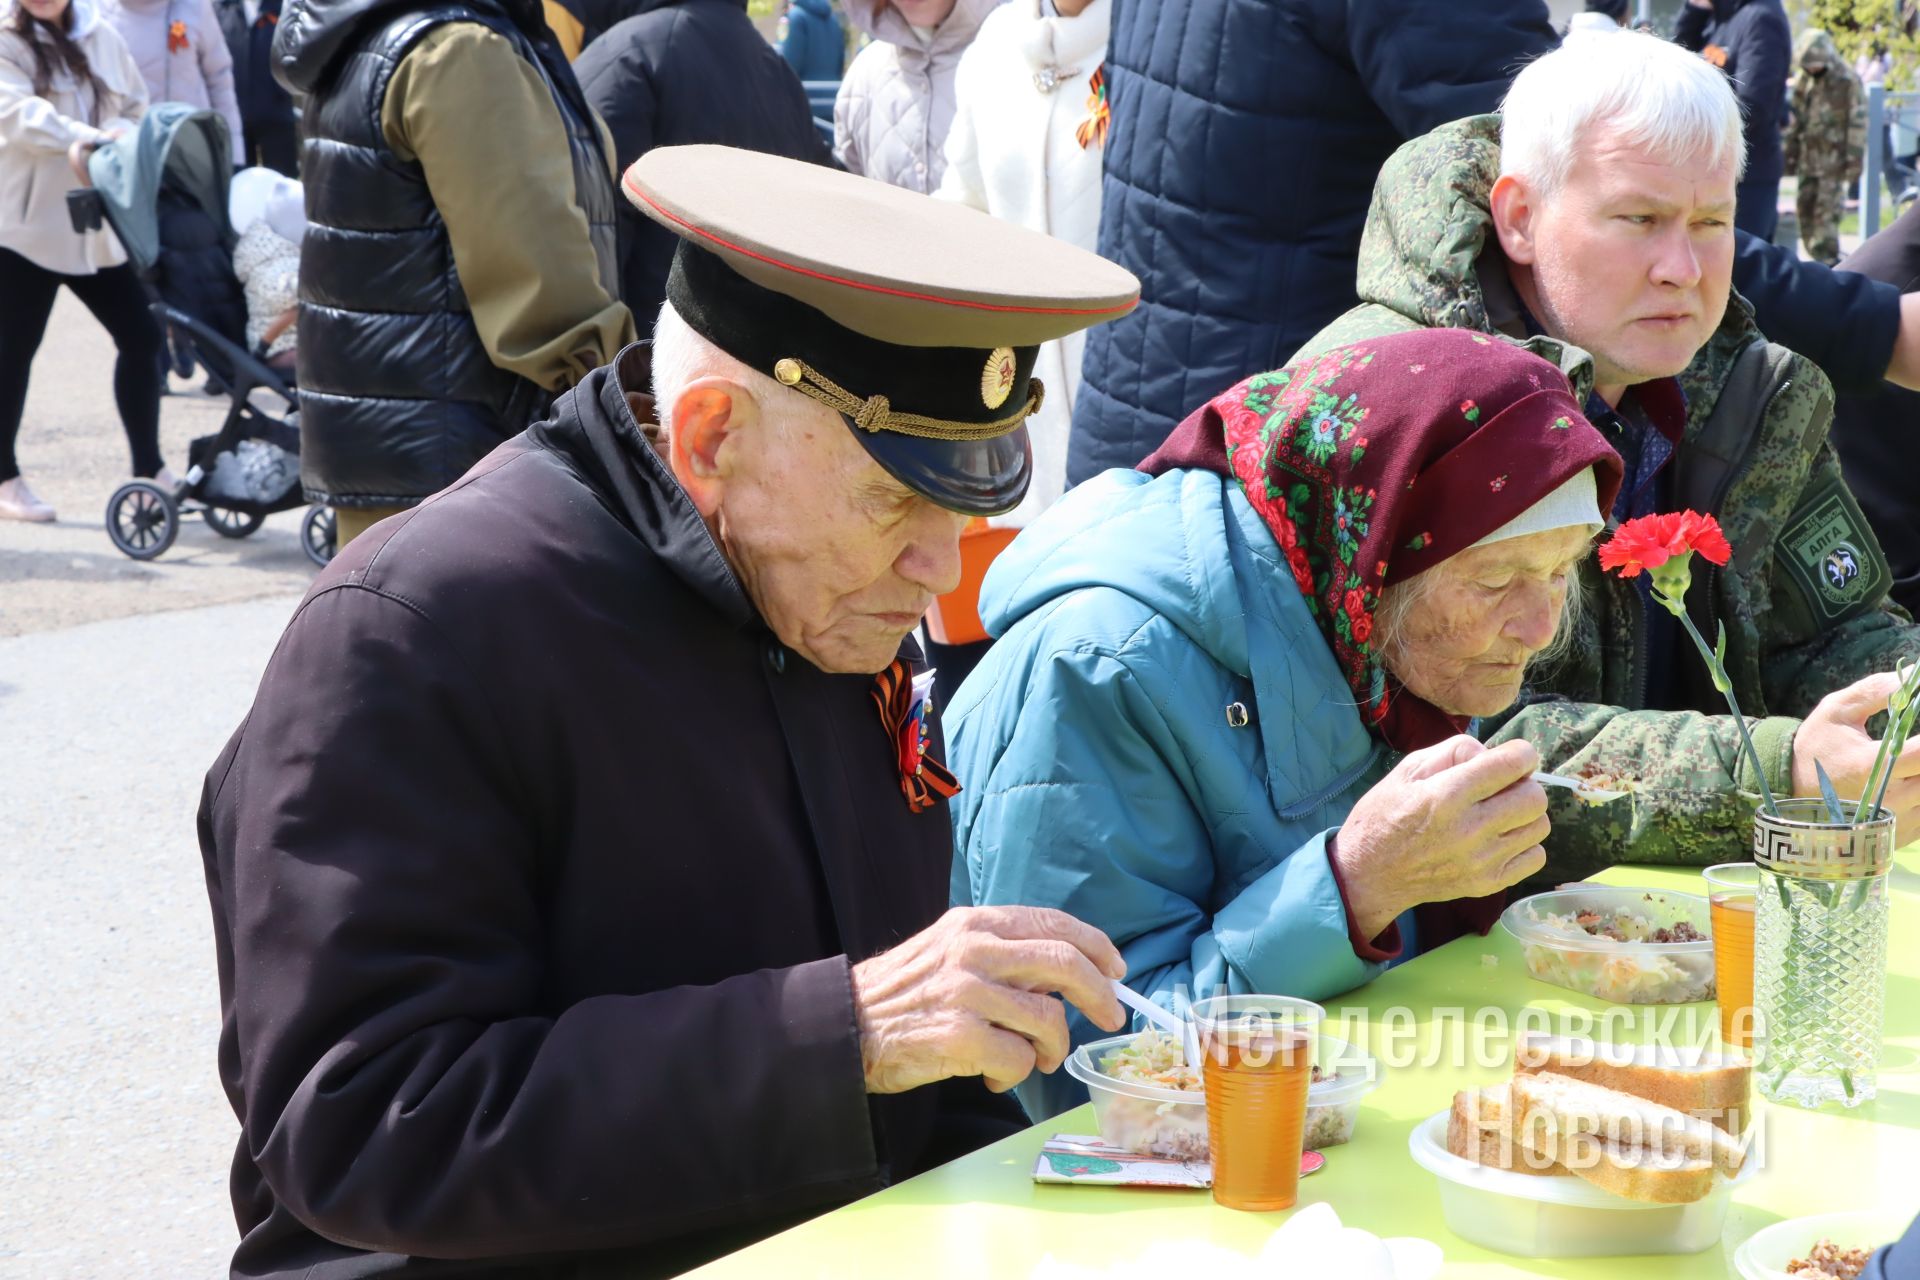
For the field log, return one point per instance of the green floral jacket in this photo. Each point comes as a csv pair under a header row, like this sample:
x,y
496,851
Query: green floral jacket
x,y
1804,599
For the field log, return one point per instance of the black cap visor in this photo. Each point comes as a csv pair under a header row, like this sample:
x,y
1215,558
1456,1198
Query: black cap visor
x,y
972,477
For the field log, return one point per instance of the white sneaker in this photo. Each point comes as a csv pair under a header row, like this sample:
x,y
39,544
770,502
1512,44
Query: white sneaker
x,y
17,502
167,480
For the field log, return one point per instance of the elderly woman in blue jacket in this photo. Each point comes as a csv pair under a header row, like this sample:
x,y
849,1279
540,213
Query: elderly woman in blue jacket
x,y
1225,718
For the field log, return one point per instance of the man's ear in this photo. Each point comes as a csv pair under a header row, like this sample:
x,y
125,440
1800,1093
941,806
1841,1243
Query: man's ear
x,y
708,422
1515,215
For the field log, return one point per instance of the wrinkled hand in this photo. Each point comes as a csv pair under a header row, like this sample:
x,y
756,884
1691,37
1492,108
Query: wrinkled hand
x,y
1456,820
969,996
1835,735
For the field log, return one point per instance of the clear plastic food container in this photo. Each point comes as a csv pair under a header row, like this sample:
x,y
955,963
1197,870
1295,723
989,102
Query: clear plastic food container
x,y
1529,1216
1767,1253
1552,929
1155,1121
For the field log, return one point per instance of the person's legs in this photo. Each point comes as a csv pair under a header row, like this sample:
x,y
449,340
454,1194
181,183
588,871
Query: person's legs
x,y
28,291
1819,214
350,522
119,302
1757,208
276,146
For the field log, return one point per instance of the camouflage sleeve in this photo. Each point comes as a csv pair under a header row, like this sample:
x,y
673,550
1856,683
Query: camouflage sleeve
x,y
1694,809
1831,622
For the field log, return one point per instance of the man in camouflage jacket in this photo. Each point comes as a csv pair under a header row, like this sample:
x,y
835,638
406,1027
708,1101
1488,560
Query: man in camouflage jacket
x,y
1803,599
1826,140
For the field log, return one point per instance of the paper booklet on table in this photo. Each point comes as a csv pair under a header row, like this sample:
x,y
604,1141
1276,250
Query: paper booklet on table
x,y
1079,1160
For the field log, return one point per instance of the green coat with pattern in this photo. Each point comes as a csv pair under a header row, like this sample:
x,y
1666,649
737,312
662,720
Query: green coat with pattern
x,y
1804,598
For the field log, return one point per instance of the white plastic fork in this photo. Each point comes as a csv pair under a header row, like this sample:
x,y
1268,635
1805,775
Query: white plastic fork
x,y
1189,1039
1585,790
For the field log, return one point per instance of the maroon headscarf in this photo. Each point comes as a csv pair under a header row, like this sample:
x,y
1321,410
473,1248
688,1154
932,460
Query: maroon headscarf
x,y
1376,461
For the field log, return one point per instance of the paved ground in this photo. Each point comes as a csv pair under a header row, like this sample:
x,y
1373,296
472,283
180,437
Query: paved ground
x,y
114,1135
72,451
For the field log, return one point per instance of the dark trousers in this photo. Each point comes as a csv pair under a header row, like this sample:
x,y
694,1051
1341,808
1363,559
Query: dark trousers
x,y
119,302
1756,208
277,146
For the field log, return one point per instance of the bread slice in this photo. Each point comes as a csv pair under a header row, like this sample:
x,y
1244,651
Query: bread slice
x,y
1480,1129
1581,1124
1708,1087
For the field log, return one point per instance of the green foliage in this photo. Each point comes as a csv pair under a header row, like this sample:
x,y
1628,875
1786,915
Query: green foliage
x,y
1862,27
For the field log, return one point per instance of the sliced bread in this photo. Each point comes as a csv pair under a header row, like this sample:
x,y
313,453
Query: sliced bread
x,y
1707,1086
1559,1115
1480,1129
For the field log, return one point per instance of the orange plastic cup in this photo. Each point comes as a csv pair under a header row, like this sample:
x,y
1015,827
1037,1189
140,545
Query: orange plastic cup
x,y
1257,1064
1732,889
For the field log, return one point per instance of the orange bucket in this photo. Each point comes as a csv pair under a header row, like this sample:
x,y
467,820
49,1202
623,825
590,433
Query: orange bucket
x,y
955,616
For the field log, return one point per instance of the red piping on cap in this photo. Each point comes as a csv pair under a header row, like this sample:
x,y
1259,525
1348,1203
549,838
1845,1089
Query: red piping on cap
x,y
856,284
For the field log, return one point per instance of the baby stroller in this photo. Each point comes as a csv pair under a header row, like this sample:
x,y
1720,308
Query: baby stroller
x,y
163,190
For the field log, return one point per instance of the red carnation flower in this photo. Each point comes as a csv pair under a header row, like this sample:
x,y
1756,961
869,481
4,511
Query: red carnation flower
x,y
1651,541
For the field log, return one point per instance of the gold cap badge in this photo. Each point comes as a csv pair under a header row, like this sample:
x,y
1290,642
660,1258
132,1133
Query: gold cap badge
x,y
996,380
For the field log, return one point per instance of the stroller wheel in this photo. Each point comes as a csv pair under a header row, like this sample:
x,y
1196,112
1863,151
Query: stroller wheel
x,y
142,520
317,535
232,524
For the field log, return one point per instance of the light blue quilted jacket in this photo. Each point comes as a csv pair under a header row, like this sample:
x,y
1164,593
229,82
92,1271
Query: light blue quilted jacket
x,y
1103,770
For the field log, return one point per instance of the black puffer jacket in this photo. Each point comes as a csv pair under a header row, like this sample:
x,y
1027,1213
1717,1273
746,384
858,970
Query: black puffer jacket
x,y
684,71
398,393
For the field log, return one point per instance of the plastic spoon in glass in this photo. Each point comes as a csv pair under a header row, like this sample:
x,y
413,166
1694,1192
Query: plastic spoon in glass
x,y
1585,790
1189,1039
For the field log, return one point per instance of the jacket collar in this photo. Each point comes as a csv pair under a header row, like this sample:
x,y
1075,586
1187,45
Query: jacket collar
x,y
1066,44
599,427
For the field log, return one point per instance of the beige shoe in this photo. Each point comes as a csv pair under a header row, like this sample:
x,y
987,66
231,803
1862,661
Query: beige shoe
x,y
17,502
167,480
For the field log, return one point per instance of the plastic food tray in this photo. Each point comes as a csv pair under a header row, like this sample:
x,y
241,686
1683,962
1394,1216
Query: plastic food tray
x,y
1172,1122
1618,972
1528,1216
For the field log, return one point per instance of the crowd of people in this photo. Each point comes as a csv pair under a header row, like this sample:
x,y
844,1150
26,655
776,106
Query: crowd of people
x,y
603,878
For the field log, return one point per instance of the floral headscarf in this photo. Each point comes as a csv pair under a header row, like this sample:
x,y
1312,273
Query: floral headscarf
x,y
1377,461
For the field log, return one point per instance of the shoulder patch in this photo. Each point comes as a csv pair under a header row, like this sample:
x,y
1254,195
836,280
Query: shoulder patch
x,y
1832,557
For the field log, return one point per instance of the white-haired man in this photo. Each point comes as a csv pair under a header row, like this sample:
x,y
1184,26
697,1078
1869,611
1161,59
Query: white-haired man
x,y
1594,217
578,887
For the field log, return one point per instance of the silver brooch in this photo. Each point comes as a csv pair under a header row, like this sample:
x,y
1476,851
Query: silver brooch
x,y
1047,79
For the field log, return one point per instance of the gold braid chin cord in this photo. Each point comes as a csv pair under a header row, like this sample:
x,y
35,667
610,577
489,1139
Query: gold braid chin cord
x,y
875,414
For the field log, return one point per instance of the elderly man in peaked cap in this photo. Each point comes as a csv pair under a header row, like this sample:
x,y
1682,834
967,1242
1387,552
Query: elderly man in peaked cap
x,y
578,875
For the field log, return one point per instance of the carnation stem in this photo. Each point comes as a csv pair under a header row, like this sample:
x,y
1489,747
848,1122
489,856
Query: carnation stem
x,y
1725,685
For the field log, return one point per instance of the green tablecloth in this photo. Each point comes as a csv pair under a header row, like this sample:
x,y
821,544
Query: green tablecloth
x,y
984,1216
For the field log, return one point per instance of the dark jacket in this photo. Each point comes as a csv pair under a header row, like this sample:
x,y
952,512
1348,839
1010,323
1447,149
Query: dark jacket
x,y
815,45
683,71
399,395
1844,323
1244,144
537,869
264,103
1874,427
1752,42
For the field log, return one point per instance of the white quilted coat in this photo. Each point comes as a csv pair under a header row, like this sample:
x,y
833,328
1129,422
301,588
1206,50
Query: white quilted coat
x,y
1021,93
896,101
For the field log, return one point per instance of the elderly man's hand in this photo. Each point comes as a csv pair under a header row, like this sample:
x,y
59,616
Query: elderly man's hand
x,y
969,997
1835,736
1456,820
